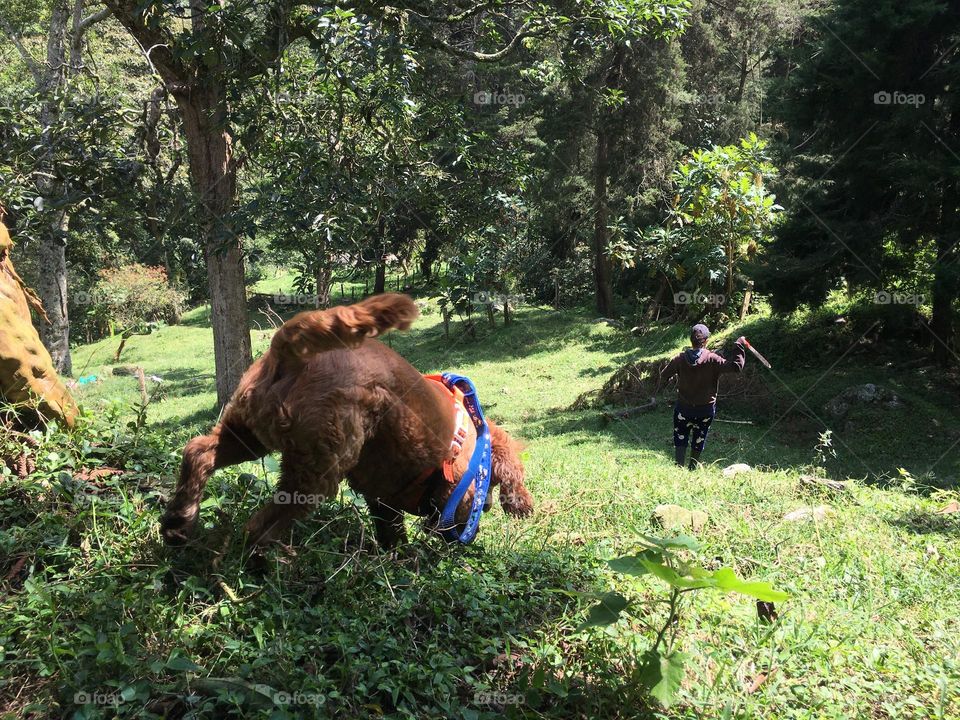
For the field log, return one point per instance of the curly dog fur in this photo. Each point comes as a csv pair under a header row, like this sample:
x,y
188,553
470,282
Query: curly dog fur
x,y
336,403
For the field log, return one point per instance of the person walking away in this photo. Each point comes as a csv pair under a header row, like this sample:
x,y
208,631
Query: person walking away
x,y
698,372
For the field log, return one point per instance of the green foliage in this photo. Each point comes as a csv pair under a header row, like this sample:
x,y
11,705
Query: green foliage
x,y
80,146
133,295
723,213
661,667
870,181
100,606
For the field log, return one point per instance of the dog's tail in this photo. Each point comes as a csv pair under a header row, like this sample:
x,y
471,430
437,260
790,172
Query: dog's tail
x,y
317,331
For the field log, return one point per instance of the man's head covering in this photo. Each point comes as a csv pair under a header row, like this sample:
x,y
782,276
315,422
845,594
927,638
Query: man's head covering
x,y
699,334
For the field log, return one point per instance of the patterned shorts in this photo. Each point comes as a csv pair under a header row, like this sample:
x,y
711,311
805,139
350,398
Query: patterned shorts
x,y
691,430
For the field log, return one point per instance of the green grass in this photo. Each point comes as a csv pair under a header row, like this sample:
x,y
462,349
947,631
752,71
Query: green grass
x,y
100,606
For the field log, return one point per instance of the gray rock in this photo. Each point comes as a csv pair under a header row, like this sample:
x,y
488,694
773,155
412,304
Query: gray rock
x,y
859,396
817,513
676,517
736,469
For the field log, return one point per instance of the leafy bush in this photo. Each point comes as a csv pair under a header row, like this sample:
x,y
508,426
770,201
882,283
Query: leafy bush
x,y
660,669
131,296
722,215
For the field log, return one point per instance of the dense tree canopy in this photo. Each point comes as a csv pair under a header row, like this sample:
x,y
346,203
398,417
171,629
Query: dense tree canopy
x,y
544,151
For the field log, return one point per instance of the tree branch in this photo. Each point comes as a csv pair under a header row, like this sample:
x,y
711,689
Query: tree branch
x,y
526,31
154,42
28,59
454,17
89,20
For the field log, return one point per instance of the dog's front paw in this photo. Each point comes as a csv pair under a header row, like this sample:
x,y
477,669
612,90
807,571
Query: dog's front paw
x,y
176,527
518,503
264,527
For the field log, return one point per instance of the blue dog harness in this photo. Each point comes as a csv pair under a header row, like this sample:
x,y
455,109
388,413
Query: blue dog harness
x,y
478,471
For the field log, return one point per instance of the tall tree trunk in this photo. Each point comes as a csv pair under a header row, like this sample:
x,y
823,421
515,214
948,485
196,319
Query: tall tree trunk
x,y
380,281
601,263
946,286
730,259
658,297
601,172
747,296
744,72
52,250
64,58
213,173
52,289
946,273
431,253
323,275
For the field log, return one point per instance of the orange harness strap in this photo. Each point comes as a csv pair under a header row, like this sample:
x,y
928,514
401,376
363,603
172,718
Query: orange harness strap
x,y
413,498
459,432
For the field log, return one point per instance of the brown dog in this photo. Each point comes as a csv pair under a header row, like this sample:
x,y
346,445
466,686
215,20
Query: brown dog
x,y
337,404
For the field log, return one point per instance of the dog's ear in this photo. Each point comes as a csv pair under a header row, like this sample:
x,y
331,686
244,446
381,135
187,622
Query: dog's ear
x,y
507,471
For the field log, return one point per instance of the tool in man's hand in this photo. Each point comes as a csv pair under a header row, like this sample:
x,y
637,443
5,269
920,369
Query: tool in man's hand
x,y
757,355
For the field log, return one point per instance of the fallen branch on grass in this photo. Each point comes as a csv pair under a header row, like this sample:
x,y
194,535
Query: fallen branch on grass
x,y
818,482
629,412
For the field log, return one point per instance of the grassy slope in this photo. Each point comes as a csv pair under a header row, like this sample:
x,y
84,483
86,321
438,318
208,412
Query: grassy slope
x,y
871,630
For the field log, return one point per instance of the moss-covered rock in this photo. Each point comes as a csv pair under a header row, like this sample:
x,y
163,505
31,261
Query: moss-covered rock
x,y
27,376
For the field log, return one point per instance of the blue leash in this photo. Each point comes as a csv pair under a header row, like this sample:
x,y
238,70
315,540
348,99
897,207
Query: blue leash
x,y
477,471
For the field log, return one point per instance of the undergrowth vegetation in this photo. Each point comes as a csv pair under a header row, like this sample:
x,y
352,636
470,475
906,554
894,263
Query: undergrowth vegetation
x,y
99,619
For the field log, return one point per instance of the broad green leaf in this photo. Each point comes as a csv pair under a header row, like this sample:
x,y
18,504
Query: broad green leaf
x,y
726,579
634,564
675,579
662,675
606,612
257,694
684,542
182,664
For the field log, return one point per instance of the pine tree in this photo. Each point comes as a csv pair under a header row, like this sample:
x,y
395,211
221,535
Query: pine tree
x,y
874,146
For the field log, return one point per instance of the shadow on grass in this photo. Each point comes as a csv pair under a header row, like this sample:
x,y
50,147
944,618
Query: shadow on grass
x,y
784,444
198,317
186,382
198,422
922,522
427,630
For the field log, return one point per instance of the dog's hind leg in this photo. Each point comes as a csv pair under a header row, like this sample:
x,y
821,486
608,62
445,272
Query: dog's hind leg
x,y
507,471
307,479
387,524
301,488
227,444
